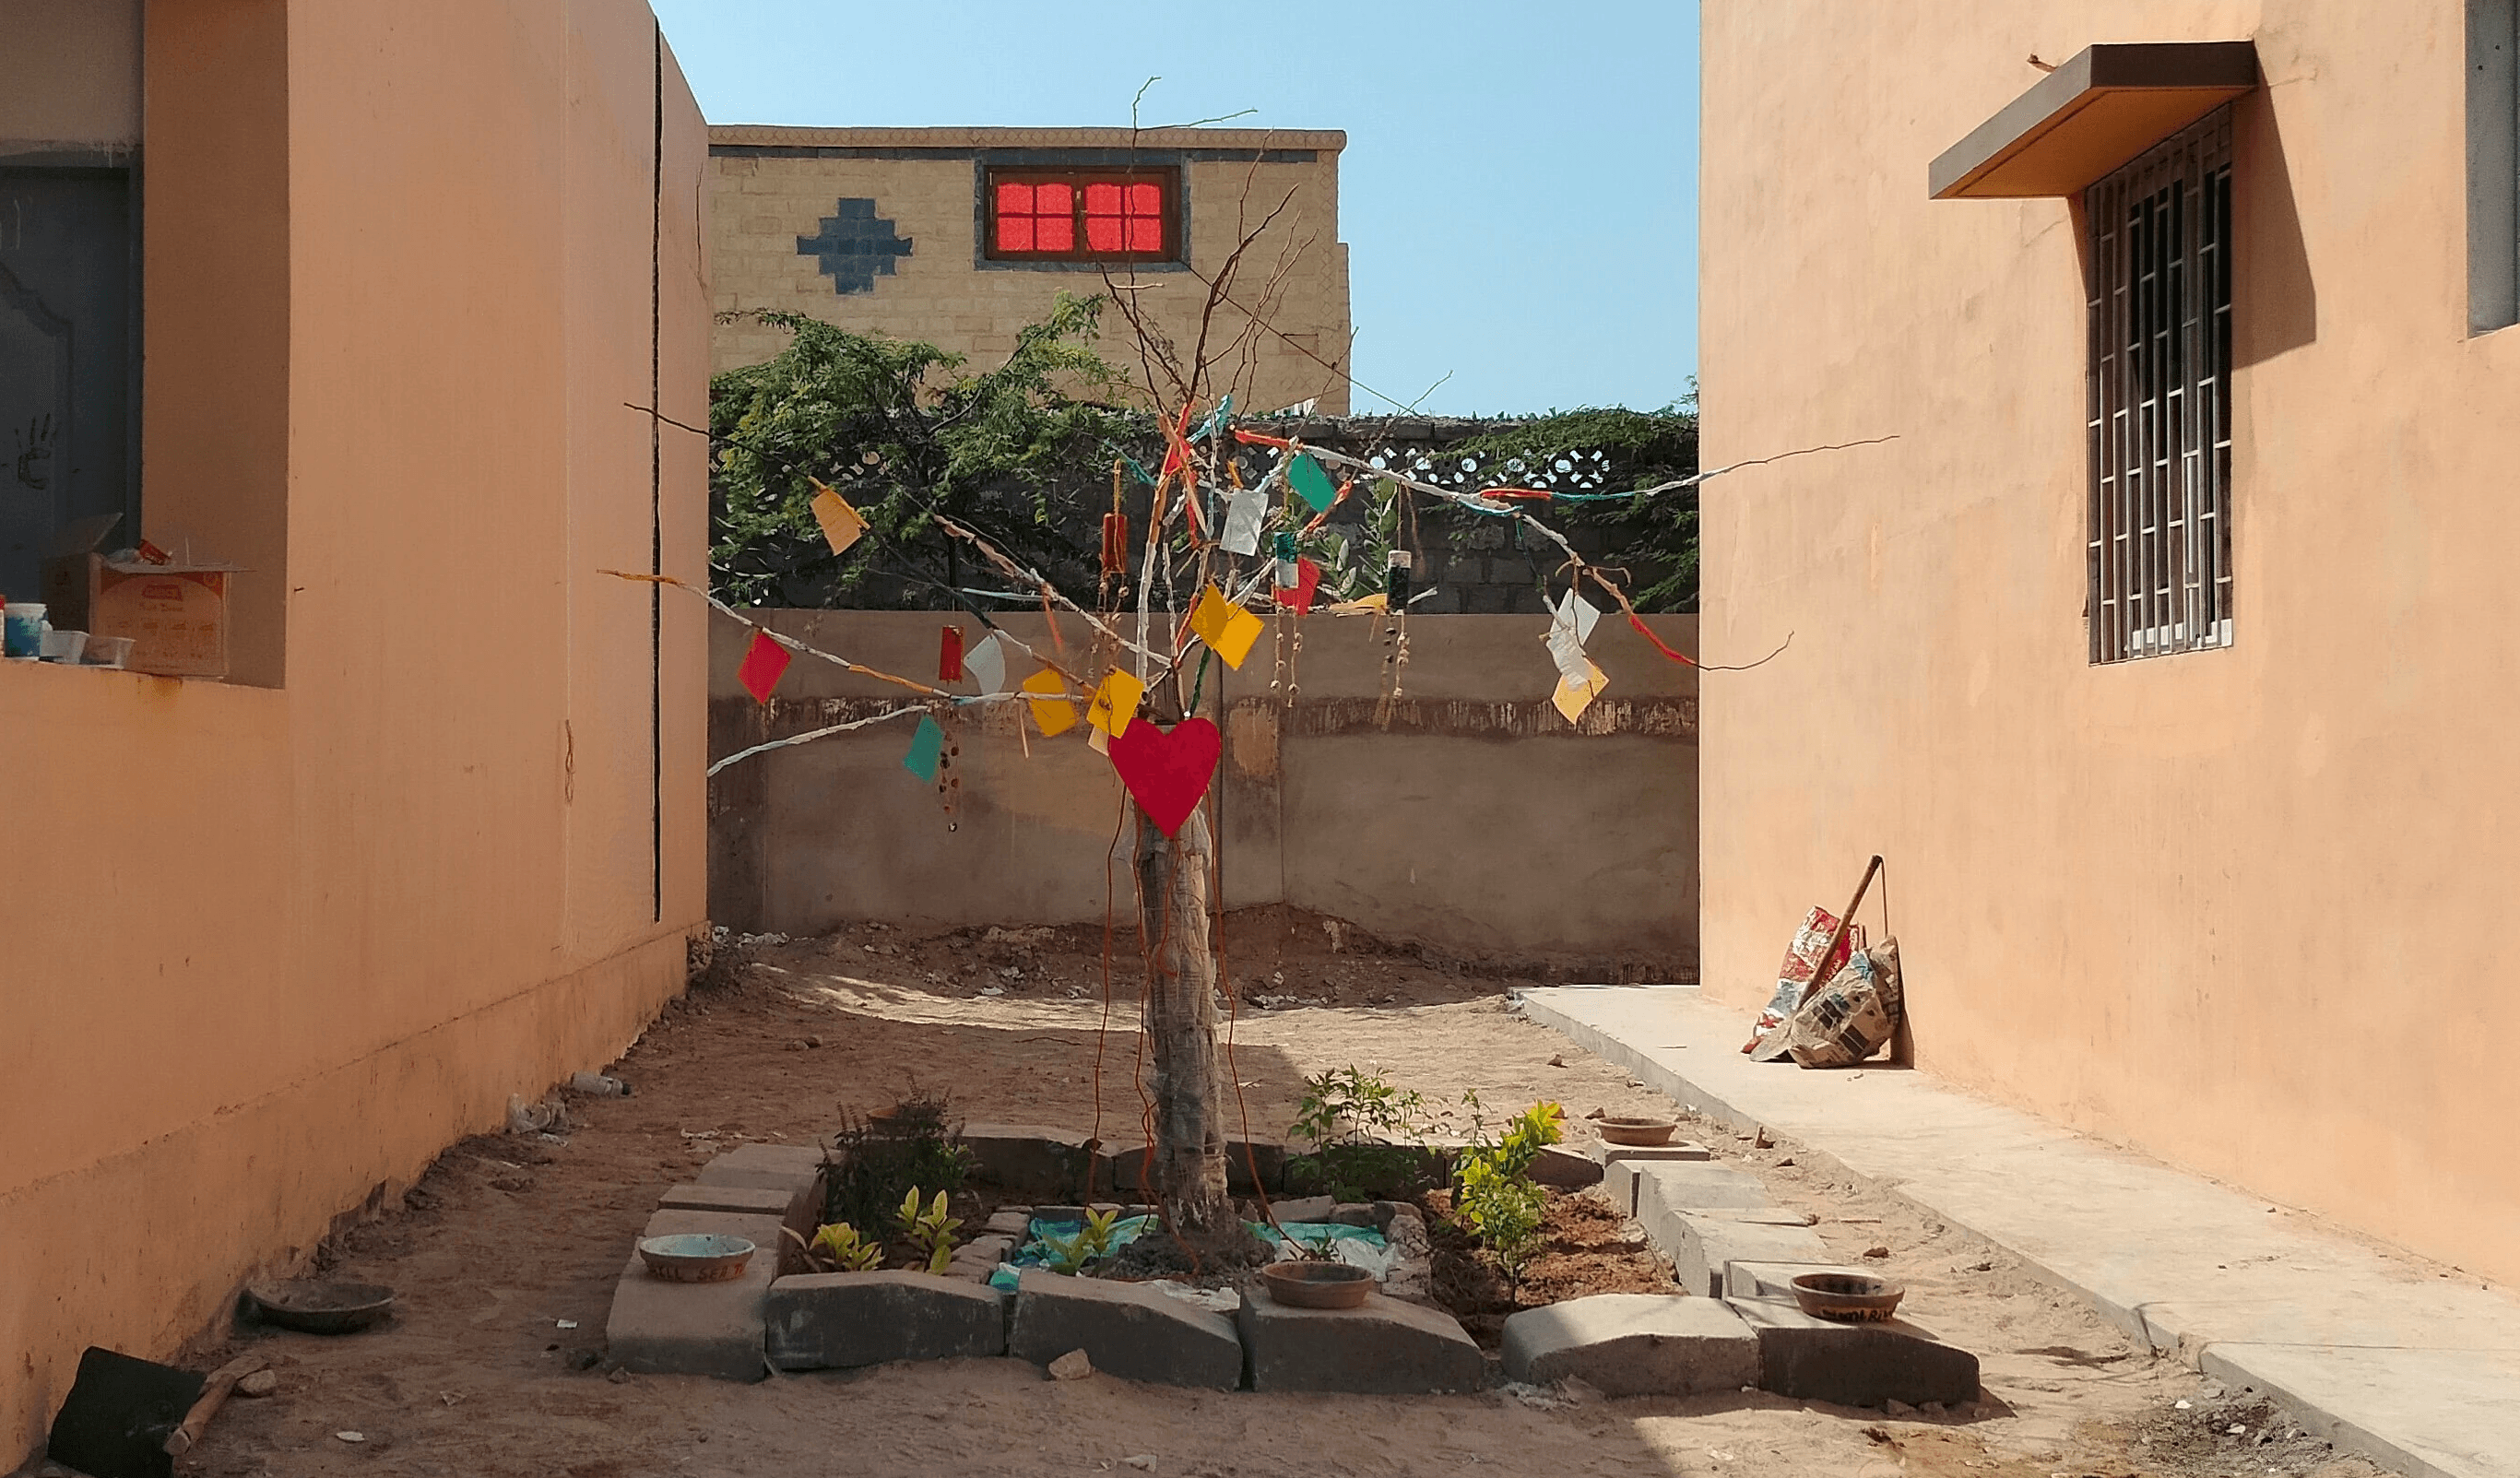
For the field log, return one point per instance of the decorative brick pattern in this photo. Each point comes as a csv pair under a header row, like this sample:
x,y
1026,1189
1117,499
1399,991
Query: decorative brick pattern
x,y
855,247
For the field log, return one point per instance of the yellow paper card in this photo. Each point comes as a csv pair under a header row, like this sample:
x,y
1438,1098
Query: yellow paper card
x,y
1572,698
840,522
1115,703
1050,711
1226,628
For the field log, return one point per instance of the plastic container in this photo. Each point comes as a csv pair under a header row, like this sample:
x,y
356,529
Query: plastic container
x,y
64,646
25,632
108,651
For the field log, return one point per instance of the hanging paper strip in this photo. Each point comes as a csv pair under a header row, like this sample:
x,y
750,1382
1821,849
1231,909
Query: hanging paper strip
x,y
763,662
926,747
1226,628
1167,772
1306,477
1242,516
949,656
1115,703
1575,695
986,665
1578,612
1568,654
1051,712
1299,597
842,524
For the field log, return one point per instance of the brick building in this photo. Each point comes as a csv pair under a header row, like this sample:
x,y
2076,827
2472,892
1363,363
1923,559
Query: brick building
x,y
961,236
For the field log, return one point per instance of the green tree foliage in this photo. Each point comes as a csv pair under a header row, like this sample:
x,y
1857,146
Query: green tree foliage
x,y
1657,537
903,433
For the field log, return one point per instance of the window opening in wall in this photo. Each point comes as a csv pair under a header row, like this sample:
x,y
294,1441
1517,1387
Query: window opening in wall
x,y
2492,164
1070,215
2160,538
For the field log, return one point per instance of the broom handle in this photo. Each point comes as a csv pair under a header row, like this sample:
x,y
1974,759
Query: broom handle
x,y
1845,920
214,1394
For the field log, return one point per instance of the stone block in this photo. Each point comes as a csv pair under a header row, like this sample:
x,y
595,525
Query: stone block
x,y
1565,1167
1010,1222
1304,1208
1383,1347
1034,1156
793,1168
1680,1185
834,1321
1623,1175
1603,1152
659,1327
1701,1246
1854,1365
796,1210
1634,1344
1130,1330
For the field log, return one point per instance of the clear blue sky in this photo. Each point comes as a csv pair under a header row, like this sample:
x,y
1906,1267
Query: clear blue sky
x,y
1519,194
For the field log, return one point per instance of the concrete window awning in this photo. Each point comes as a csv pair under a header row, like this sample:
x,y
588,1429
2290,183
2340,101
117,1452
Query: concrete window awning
x,y
2094,113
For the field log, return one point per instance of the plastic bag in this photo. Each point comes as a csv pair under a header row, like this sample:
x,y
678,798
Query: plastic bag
x,y
1795,976
1852,1017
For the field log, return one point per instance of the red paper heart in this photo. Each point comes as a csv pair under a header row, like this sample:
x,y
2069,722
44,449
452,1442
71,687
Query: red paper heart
x,y
1167,773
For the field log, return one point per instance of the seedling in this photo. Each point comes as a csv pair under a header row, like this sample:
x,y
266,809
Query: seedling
x,y
929,1227
847,1251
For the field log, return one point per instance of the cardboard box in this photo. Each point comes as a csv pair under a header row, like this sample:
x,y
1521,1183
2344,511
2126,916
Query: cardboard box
x,y
175,615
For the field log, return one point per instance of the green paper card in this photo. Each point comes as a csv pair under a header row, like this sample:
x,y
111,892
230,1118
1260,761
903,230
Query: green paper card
x,y
926,747
1308,479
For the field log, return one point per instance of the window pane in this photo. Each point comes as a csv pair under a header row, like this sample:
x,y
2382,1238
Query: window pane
x,y
1102,232
1014,199
1014,233
1145,200
1146,234
1054,232
1054,199
1101,197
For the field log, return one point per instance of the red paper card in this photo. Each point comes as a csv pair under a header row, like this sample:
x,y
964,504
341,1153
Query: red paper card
x,y
1308,579
763,662
949,657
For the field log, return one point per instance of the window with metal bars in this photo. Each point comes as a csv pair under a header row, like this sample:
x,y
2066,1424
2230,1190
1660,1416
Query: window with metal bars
x,y
2160,537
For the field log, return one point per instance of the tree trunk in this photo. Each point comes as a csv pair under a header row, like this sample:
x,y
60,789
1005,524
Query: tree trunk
x,y
1181,1025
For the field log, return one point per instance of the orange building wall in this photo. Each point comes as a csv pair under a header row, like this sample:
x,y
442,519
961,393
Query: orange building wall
x,y
271,944
2242,909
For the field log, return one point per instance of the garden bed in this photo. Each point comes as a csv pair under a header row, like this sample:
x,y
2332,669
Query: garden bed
x,y
1587,1248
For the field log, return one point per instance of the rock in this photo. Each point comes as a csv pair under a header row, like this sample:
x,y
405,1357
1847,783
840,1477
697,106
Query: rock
x,y
1144,1460
1072,1365
1876,1252
1632,1344
839,1320
1127,1330
1854,1365
793,1168
659,1327
1896,1408
1565,1167
1306,1208
260,1383
1010,1222
1412,1279
1933,1408
1383,1348
1032,1155
1700,1247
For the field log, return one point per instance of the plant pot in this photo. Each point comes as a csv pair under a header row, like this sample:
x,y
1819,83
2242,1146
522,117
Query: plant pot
x,y
315,1306
1853,1298
695,1258
1317,1285
1638,1132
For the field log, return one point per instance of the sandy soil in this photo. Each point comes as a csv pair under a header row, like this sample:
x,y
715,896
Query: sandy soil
x,y
505,1254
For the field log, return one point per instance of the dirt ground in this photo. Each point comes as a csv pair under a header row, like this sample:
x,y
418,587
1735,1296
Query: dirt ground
x,y
505,1254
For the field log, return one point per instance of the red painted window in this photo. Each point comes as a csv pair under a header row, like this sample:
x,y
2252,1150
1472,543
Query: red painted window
x,y
1076,217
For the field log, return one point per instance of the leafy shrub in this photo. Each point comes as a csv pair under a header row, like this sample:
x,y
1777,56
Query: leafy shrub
x,y
874,1161
928,1229
1369,1138
1494,1198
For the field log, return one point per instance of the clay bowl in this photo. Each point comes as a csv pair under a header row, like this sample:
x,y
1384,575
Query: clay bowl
x,y
1317,1285
314,1306
1853,1298
1636,1130
694,1258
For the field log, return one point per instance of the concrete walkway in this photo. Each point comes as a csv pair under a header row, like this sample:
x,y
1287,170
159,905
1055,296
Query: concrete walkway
x,y
2382,1353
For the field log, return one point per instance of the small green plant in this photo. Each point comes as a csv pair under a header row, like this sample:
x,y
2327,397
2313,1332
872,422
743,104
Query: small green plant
x,y
1369,1138
1494,1198
929,1227
1069,1254
840,1244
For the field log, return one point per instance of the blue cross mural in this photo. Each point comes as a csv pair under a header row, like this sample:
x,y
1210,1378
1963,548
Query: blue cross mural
x,y
855,244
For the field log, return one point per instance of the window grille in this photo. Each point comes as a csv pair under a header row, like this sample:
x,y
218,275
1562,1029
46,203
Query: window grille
x,y
2160,539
